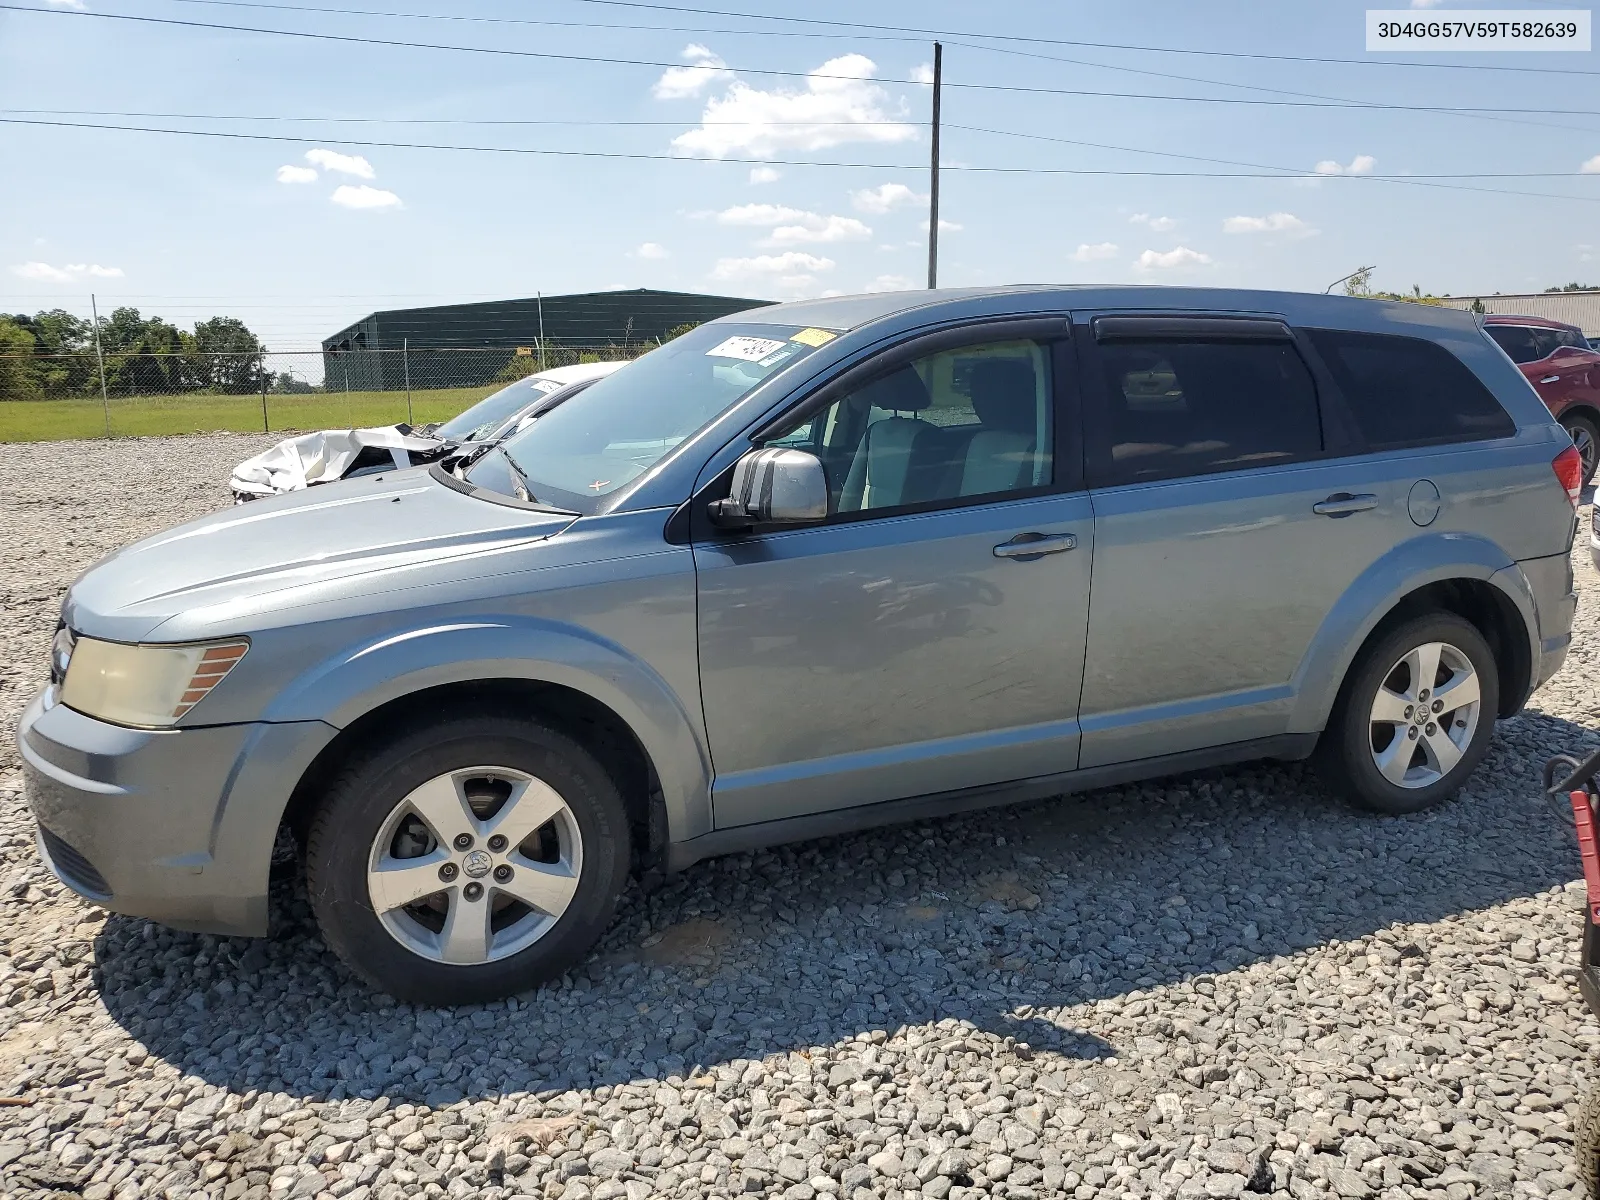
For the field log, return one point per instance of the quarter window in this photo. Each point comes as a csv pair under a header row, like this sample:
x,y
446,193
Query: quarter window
x,y
1190,408
1407,391
974,421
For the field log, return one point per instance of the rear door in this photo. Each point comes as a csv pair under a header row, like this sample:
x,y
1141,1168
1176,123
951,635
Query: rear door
x,y
1229,517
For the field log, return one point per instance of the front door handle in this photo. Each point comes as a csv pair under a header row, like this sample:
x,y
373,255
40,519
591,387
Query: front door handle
x,y
1551,379
1036,545
1343,504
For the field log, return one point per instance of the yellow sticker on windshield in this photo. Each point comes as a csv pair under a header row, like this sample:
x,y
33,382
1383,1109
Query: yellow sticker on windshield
x,y
813,337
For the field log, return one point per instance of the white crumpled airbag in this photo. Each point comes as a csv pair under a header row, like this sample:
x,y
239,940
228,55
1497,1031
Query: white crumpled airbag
x,y
322,457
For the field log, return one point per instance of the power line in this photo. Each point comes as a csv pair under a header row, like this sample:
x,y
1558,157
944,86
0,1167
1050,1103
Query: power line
x,y
591,123
656,63
1270,173
1226,162
890,32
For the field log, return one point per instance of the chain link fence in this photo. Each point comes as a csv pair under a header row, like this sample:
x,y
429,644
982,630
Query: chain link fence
x,y
54,397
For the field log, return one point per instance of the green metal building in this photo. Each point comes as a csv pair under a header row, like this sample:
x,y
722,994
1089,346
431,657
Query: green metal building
x,y
460,344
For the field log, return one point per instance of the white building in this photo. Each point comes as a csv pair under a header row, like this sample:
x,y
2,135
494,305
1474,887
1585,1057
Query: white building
x,y
1575,308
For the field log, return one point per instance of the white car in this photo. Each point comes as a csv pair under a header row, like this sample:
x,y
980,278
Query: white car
x,y
313,458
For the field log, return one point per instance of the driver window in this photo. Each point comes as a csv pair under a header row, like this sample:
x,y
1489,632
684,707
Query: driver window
x,y
974,421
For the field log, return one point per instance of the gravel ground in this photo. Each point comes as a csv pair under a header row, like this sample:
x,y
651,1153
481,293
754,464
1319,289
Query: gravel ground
x,y
1214,985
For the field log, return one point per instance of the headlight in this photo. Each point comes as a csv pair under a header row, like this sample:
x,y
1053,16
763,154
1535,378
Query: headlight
x,y
145,685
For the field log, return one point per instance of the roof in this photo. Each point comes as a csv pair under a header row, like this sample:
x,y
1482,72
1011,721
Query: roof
x,y
1523,319
851,312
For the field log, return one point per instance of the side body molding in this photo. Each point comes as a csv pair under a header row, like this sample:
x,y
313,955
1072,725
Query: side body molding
x,y
1407,567
363,677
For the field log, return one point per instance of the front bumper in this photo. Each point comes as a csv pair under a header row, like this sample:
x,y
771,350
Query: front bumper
x,y
173,825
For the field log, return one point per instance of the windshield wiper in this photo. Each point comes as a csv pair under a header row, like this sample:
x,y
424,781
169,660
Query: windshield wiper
x,y
522,477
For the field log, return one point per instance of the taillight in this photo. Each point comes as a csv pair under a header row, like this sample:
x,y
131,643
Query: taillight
x,y
1568,466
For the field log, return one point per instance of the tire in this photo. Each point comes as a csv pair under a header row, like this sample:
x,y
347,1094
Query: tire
x,y
1585,435
1357,745
370,838
1587,1143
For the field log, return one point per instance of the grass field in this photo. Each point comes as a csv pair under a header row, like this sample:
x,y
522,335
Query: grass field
x,y
149,416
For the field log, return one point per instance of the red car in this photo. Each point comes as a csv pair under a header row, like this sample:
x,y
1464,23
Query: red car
x,y
1565,372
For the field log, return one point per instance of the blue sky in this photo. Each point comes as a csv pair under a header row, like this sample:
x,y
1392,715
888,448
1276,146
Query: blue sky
x,y
300,238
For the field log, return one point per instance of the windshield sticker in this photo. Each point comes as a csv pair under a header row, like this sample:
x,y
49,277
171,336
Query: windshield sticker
x,y
778,356
813,337
747,349
546,386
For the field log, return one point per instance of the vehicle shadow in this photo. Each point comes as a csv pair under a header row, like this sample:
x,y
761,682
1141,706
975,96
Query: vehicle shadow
x,y
1009,919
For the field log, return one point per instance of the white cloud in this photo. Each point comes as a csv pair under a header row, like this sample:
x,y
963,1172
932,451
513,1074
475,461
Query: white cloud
x,y
764,175
1361,164
676,83
921,73
1591,166
885,198
70,273
290,174
1278,222
838,104
819,229
793,268
1166,260
891,283
65,3
651,250
1098,252
1157,224
760,214
363,196
1426,3
944,226
344,164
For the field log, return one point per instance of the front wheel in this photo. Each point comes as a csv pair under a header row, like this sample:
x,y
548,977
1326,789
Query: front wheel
x,y
1414,717
467,859
1585,435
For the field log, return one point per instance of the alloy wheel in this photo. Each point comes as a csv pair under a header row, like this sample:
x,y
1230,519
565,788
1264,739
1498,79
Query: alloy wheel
x,y
1424,715
475,865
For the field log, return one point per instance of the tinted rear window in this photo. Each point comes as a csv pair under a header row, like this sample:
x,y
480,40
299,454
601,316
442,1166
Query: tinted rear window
x,y
1190,408
1530,343
1406,391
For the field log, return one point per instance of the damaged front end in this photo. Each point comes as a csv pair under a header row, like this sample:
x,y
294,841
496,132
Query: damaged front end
x,y
332,454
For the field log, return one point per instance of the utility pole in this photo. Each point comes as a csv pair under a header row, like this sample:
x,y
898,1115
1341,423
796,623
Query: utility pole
x,y
105,401
933,172
539,296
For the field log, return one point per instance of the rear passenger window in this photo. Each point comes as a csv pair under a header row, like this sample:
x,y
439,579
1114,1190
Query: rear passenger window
x,y
1409,392
1191,408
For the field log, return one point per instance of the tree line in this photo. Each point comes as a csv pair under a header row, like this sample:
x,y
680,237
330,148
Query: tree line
x,y
52,354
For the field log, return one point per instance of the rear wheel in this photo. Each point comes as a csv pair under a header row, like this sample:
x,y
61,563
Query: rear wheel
x,y
1585,435
1415,715
467,860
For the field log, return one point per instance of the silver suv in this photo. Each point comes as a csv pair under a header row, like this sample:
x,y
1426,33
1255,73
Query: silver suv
x,y
803,570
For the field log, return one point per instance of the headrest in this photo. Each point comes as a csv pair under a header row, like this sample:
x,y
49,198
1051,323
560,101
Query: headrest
x,y
898,391
1003,396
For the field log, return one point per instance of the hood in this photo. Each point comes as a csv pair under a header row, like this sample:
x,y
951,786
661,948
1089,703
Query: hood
x,y
350,539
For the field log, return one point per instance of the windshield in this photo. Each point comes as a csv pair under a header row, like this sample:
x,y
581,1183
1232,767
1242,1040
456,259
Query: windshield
x,y
627,422
488,414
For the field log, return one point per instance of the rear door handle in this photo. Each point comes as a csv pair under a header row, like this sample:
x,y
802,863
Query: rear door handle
x,y
1036,545
1343,504
1551,379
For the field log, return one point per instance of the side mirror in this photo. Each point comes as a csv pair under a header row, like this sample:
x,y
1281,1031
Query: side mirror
x,y
774,487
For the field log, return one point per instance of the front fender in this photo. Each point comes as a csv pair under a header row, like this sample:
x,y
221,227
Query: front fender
x,y
1430,558
365,676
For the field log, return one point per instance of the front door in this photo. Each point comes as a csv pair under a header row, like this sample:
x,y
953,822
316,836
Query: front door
x,y
918,640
